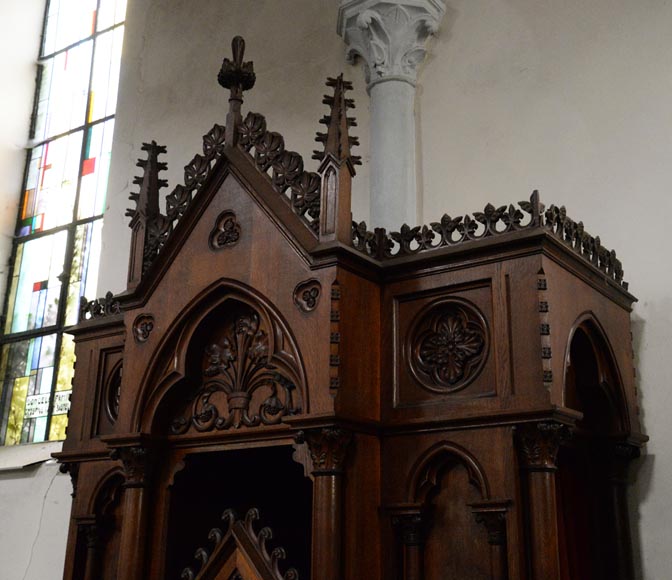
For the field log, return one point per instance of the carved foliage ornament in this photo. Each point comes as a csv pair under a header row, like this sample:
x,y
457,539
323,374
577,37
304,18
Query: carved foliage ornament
x,y
448,346
98,308
327,447
226,232
389,36
244,365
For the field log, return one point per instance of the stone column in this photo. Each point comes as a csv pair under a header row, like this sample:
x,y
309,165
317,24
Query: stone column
x,y
327,447
390,36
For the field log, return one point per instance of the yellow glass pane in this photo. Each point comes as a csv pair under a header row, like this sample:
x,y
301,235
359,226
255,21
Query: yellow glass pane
x,y
59,424
66,366
16,411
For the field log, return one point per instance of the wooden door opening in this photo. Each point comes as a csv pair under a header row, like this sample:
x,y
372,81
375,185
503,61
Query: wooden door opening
x,y
264,478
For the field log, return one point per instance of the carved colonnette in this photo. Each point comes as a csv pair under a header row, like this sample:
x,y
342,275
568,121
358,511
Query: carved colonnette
x,y
419,376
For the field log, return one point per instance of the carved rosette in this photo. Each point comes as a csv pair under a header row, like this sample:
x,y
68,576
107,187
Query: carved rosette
x,y
447,345
307,295
226,232
245,365
539,444
142,327
328,447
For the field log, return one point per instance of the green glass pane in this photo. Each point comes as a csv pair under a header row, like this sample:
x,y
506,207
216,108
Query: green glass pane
x,y
111,12
63,92
84,269
51,186
95,170
27,377
105,79
67,22
35,288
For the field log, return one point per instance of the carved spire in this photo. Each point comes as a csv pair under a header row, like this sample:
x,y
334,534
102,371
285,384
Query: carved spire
x,y
337,141
337,164
146,211
237,76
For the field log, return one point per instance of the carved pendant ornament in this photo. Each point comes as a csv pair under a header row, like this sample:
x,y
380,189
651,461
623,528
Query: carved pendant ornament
x,y
242,371
448,346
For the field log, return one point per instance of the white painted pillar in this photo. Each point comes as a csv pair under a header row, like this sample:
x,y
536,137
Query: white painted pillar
x,y
390,36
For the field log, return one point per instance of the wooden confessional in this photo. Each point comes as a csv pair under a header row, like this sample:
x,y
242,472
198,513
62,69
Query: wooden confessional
x,y
281,393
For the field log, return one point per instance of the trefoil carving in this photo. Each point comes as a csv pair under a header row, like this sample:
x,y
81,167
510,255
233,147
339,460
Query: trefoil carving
x,y
226,232
142,327
307,295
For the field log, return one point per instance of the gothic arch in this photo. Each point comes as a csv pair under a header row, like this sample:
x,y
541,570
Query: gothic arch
x,y
108,486
426,473
173,362
588,339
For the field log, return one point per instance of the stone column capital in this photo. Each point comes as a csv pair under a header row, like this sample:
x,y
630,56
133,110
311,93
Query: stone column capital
x,y
389,36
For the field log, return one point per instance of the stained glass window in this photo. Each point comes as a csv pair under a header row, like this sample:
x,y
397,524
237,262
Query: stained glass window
x,y
58,234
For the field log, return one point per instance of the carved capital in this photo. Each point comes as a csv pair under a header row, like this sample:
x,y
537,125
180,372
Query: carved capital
x,y
539,443
327,447
388,36
410,525
492,515
136,461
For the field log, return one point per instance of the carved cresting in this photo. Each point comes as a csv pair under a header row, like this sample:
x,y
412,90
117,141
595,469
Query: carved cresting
x,y
233,531
243,364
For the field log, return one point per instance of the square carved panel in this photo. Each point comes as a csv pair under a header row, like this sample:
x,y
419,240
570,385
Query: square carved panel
x,y
443,347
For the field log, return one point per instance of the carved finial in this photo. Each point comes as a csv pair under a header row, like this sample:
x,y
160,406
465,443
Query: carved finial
x,y
146,216
237,76
336,140
147,199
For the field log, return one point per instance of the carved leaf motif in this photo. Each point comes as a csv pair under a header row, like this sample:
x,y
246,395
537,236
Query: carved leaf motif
x,y
251,130
214,141
268,149
306,195
196,172
287,167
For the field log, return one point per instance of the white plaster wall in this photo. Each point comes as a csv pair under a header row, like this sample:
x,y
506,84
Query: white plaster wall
x,y
168,90
20,27
573,98
35,512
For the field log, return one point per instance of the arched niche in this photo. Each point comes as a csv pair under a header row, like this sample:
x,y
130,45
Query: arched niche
x,y
449,497
231,362
592,382
594,535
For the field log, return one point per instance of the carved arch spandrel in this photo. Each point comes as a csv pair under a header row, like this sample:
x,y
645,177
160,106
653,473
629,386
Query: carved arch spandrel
x,y
169,366
609,373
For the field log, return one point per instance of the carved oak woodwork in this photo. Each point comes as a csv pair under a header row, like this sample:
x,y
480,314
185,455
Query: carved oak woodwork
x,y
459,397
